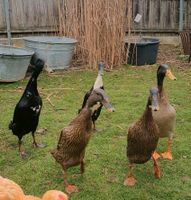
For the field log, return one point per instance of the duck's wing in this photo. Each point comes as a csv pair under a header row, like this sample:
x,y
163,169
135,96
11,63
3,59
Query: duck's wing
x,y
68,136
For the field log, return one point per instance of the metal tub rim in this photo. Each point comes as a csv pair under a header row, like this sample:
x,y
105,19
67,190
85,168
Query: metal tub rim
x,y
50,40
14,51
14,62
144,41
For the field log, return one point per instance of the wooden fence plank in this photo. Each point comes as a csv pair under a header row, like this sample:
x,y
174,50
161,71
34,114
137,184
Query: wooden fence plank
x,y
43,15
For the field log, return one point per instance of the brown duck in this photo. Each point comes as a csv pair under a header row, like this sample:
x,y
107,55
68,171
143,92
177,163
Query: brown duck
x,y
166,116
142,139
74,138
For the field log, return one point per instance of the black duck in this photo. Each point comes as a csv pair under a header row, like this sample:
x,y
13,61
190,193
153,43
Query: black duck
x,y
27,111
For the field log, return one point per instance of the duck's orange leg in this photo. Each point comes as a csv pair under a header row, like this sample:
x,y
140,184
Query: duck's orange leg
x,y
167,154
156,155
129,180
69,188
157,172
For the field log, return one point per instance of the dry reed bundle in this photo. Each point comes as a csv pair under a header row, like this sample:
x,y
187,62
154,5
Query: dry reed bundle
x,y
99,27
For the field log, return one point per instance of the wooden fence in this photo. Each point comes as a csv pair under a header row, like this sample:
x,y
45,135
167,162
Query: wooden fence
x,y
30,15
161,15
35,16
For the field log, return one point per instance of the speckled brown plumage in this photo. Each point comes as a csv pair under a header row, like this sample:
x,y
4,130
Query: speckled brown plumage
x,y
142,138
73,140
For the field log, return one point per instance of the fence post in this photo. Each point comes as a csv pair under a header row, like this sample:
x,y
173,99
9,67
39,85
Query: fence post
x,y
181,15
7,17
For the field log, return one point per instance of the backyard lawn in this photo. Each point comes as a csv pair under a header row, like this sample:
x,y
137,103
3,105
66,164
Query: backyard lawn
x,y
106,162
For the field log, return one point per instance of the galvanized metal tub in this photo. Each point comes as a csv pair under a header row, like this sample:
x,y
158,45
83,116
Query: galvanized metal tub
x,y
57,52
13,63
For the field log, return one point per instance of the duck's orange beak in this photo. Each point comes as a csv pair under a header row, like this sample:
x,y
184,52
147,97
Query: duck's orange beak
x,y
111,109
155,108
107,105
170,75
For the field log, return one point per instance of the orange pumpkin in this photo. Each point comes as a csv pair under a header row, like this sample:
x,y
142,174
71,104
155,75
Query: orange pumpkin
x,y
54,195
30,197
9,190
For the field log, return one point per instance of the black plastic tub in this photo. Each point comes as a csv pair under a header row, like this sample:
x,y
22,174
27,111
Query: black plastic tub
x,y
143,52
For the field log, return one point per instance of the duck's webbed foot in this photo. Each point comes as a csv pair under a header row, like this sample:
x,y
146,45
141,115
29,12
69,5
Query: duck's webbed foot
x,y
167,154
23,154
156,155
36,145
129,180
71,189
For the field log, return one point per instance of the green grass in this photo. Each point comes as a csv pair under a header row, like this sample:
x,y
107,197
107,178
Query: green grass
x,y
106,162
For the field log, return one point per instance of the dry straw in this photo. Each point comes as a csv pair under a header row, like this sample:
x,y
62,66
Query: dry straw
x,y
99,26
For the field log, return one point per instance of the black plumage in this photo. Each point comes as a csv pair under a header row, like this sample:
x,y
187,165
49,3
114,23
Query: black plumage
x,y
97,85
27,111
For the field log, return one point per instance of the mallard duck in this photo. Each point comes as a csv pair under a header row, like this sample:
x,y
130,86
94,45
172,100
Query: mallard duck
x,y
27,111
142,138
166,116
74,138
98,84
